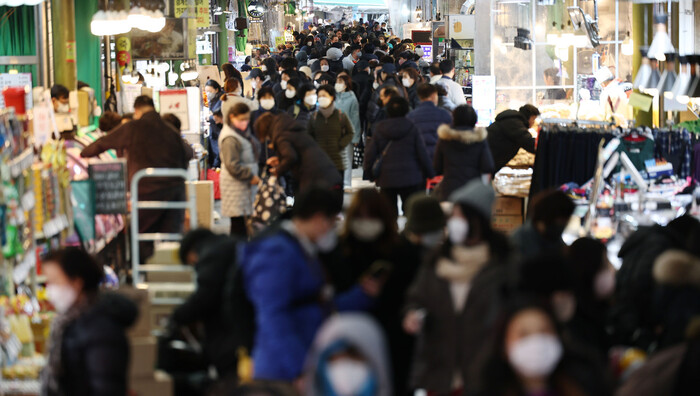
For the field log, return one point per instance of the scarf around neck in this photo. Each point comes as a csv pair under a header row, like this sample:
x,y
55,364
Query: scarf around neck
x,y
328,111
466,262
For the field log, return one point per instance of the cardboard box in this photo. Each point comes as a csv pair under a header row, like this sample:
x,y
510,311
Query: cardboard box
x,y
140,297
143,357
204,192
159,385
170,277
509,206
506,223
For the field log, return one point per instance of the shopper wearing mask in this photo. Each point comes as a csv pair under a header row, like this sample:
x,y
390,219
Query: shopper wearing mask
x,y
428,117
550,212
298,153
454,90
288,96
462,153
348,357
269,68
325,67
346,102
284,280
350,60
451,302
399,146
594,285
239,173
526,356
59,99
331,128
88,349
305,104
410,79
213,91
362,82
267,102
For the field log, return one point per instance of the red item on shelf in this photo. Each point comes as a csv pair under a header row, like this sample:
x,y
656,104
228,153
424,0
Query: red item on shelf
x,y
15,97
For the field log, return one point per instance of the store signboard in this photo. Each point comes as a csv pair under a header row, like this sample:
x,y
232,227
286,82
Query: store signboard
x,y
199,7
427,52
129,94
169,43
16,80
461,26
484,98
110,185
175,101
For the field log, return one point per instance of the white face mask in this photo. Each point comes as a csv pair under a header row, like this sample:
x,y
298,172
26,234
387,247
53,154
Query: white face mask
x,y
311,100
267,104
327,242
283,84
604,284
536,355
375,85
348,377
317,84
340,87
309,43
406,82
458,229
367,230
432,239
63,108
325,68
263,68
290,93
62,297
324,102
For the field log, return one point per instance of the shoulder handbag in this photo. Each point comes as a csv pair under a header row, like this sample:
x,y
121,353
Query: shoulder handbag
x,y
377,166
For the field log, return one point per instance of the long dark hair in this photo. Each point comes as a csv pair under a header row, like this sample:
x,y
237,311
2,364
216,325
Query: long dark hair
x,y
498,244
271,71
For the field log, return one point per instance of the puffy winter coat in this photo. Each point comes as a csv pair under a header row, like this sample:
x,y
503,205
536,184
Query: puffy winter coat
x,y
406,162
95,350
284,282
428,119
300,154
348,104
333,134
461,156
239,166
507,135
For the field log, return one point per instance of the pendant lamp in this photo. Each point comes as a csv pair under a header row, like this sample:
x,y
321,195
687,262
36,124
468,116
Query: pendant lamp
x,y
684,96
668,77
644,72
661,44
683,79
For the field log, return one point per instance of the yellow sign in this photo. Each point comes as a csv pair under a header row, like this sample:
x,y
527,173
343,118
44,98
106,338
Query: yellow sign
x,y
123,44
279,40
198,9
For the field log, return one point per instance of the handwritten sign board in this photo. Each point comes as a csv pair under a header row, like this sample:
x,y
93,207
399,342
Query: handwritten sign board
x,y
110,186
175,101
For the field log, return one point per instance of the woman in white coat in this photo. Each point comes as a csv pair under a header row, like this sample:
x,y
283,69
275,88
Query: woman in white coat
x,y
239,152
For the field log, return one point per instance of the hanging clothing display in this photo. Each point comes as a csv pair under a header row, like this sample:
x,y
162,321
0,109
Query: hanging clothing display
x,y
676,147
566,154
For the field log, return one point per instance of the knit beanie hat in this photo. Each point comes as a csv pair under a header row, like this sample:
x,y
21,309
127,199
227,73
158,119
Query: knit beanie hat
x,y
424,214
476,195
334,54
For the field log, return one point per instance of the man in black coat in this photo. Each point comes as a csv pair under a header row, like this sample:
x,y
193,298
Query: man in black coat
x,y
212,256
510,133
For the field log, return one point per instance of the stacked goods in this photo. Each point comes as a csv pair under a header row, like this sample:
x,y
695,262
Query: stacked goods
x,y
143,378
507,214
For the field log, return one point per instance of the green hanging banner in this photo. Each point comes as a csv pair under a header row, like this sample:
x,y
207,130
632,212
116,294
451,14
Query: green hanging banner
x,y
242,35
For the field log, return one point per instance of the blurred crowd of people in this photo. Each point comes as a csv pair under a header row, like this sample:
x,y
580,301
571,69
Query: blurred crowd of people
x,y
327,301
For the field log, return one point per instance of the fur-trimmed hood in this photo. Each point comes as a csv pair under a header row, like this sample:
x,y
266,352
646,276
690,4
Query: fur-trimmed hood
x,y
468,136
679,268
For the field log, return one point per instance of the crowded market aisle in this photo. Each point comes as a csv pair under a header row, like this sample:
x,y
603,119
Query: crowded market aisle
x,y
382,198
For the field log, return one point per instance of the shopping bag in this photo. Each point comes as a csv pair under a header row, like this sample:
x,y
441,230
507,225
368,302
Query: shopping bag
x,y
213,175
358,155
270,202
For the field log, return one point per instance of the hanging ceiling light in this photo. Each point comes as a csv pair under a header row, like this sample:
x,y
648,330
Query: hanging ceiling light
x,y
147,15
654,78
668,78
109,23
682,96
661,44
644,71
17,3
694,90
683,79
